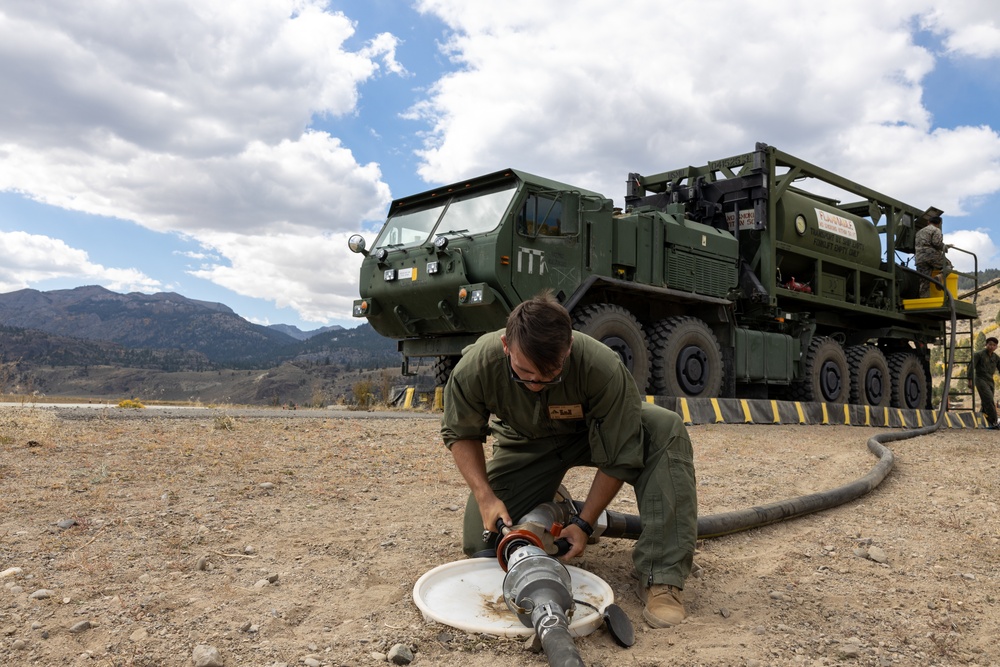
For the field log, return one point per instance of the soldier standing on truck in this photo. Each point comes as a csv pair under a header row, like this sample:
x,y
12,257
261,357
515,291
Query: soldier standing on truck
x,y
983,365
560,399
929,253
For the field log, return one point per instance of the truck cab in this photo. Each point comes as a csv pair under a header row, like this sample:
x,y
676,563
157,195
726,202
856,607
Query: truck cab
x,y
450,263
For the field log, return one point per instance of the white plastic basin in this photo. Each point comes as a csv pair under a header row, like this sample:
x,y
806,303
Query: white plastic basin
x,y
468,595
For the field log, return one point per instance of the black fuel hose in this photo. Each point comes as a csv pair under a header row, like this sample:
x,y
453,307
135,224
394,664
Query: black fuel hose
x,y
558,645
726,523
716,525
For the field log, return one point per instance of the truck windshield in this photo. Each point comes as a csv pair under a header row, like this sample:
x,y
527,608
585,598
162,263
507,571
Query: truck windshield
x,y
467,214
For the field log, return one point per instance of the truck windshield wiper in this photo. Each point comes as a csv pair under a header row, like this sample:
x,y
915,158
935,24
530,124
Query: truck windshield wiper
x,y
456,232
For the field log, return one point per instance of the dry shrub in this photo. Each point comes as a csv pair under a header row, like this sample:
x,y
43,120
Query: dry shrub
x,y
385,381
225,423
318,398
364,395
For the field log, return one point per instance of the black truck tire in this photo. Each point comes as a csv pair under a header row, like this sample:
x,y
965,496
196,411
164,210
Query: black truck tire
x,y
909,382
686,359
870,378
443,366
618,329
826,374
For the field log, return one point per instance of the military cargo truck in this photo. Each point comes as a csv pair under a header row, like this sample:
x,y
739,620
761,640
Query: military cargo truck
x,y
758,275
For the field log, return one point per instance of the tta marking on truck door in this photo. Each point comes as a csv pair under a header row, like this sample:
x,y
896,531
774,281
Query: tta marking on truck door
x,y
526,258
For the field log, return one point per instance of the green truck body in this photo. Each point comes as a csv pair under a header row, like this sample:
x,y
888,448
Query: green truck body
x,y
745,277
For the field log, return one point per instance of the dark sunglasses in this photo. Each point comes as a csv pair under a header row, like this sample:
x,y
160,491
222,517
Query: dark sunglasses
x,y
519,380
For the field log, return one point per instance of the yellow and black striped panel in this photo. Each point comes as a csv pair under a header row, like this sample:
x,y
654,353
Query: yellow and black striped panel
x,y
760,411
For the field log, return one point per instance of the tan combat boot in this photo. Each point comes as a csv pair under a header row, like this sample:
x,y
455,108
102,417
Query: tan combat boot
x,y
664,607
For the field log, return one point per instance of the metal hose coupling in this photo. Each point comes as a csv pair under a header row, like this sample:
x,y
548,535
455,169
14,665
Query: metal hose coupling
x,y
535,580
538,588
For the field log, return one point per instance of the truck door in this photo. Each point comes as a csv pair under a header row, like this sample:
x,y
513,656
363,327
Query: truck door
x,y
545,244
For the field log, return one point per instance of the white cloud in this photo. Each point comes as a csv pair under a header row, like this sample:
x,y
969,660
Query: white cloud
x,y
977,241
384,46
970,27
197,255
590,95
30,258
308,184
317,276
947,168
185,115
194,118
179,76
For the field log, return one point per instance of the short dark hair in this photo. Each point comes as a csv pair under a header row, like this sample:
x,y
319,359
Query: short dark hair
x,y
991,338
542,330
936,220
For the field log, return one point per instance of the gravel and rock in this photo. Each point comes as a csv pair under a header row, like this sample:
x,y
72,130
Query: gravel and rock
x,y
132,538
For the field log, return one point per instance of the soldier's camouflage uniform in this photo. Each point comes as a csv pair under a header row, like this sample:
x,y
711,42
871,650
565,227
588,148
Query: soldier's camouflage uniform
x,y
929,255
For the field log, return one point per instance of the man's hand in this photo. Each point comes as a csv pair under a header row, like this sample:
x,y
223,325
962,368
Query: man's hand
x,y
492,508
471,463
602,491
577,539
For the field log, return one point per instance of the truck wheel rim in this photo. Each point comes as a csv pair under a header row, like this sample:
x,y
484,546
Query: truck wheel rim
x,y
830,381
874,386
911,390
692,369
622,349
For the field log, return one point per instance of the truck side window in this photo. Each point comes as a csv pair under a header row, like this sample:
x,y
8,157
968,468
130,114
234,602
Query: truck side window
x,y
540,216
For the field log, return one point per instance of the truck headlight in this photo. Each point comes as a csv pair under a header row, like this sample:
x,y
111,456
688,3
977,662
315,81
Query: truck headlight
x,y
363,308
475,295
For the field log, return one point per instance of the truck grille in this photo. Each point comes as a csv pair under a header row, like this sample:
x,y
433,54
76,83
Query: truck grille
x,y
696,273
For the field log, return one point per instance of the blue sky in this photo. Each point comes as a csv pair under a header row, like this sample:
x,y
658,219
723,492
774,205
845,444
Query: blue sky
x,y
226,150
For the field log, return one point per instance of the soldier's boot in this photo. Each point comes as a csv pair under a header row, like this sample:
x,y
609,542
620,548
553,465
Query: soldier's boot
x,y
664,607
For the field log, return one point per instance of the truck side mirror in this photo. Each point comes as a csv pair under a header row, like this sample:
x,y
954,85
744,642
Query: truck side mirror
x,y
357,244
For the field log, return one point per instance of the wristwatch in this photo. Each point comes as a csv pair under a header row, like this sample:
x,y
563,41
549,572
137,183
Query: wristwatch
x,y
581,524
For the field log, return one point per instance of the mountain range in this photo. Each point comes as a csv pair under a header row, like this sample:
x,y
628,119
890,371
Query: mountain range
x,y
94,326
90,342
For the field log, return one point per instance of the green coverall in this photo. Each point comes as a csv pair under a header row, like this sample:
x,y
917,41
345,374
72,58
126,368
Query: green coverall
x,y
594,417
985,365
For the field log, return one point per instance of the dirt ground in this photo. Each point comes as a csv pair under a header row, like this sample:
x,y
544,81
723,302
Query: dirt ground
x,y
297,541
